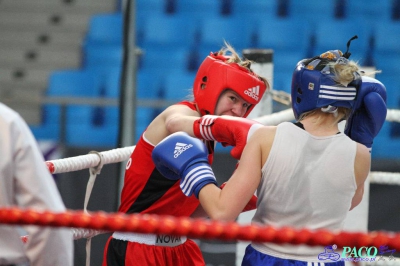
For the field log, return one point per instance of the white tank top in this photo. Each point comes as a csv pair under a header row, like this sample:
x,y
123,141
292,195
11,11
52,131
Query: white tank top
x,y
307,182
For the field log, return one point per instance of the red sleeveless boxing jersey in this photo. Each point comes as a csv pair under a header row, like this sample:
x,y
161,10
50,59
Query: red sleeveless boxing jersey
x,y
145,190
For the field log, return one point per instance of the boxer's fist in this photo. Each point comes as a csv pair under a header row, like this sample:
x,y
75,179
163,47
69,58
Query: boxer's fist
x,y
369,112
228,130
180,156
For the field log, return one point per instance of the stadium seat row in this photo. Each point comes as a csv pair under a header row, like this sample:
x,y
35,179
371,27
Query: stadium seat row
x,y
311,10
174,44
99,122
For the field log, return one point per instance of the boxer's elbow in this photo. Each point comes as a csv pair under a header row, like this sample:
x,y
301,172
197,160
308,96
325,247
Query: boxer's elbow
x,y
173,124
223,216
357,198
216,207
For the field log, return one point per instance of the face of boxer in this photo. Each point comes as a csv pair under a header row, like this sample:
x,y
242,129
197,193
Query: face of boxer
x,y
230,103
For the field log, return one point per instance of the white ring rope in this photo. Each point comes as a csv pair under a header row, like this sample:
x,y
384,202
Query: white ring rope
x,y
287,115
385,178
276,118
393,115
89,160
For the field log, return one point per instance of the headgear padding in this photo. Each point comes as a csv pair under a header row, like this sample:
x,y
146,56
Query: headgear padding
x,y
215,76
314,85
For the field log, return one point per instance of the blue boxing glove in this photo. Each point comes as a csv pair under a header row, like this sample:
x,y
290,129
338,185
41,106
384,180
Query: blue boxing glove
x,y
180,156
369,112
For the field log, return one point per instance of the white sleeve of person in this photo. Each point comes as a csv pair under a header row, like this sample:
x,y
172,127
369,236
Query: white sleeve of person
x,y
180,156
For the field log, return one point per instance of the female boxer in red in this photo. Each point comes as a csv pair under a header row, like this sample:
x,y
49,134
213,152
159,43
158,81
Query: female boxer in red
x,y
224,89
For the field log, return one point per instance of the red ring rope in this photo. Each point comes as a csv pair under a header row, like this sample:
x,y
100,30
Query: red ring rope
x,y
196,228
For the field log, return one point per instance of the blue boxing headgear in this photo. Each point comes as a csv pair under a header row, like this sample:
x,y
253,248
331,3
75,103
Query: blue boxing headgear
x,y
314,85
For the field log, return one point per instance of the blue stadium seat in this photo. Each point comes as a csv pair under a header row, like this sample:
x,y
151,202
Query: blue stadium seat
x,y
198,8
331,35
385,146
146,9
290,41
151,6
284,35
99,126
112,83
386,38
50,126
391,80
99,123
388,64
64,83
258,8
74,82
313,11
102,47
284,64
103,56
386,51
369,11
165,59
168,31
148,88
238,31
178,85
105,29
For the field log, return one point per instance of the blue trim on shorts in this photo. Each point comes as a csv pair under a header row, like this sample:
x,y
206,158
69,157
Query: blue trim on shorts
x,y
253,257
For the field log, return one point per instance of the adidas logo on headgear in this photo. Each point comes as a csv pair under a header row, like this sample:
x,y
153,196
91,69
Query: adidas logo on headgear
x,y
180,148
253,92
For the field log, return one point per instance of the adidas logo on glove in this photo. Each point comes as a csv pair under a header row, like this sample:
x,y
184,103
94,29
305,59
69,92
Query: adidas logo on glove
x,y
180,148
253,92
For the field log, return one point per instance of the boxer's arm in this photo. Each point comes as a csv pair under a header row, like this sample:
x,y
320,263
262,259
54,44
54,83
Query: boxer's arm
x,y
228,130
173,119
251,205
228,203
199,213
180,118
362,166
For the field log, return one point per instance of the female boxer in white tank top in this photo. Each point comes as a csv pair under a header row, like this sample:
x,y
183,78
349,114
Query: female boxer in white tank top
x,y
306,175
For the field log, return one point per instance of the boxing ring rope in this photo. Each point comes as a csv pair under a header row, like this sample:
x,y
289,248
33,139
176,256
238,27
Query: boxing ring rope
x,y
95,161
98,159
86,224
89,160
195,228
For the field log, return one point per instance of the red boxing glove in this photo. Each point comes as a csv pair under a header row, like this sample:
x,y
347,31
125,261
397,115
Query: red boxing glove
x,y
228,130
251,205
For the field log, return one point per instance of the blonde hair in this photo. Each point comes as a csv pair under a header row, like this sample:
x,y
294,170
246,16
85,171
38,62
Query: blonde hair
x,y
345,73
235,58
341,114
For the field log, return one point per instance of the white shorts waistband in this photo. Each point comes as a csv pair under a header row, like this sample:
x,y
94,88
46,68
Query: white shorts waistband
x,y
151,239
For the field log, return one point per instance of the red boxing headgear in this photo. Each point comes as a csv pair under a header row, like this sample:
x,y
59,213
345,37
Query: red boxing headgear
x,y
215,76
